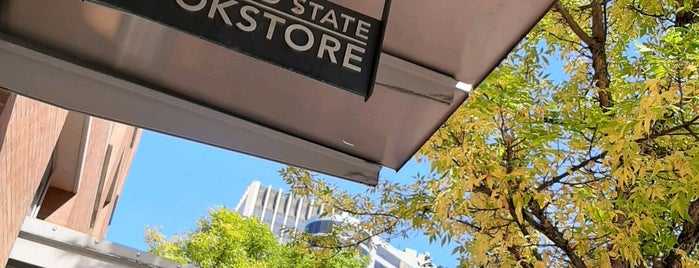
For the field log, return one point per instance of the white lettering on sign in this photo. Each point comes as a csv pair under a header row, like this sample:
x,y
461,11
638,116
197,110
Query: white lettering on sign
x,y
220,8
296,26
298,8
347,21
316,7
330,17
291,42
273,20
192,8
326,48
362,29
245,14
350,56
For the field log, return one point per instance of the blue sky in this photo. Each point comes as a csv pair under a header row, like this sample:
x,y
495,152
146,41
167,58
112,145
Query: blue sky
x,y
173,182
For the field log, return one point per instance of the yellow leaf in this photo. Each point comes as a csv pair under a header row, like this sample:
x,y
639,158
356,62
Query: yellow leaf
x,y
604,260
517,201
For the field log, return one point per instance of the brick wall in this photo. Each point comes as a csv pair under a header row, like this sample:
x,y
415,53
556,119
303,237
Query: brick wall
x,y
118,178
75,210
28,133
75,213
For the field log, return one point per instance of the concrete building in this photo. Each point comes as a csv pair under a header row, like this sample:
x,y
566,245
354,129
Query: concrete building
x,y
286,215
59,170
282,212
381,253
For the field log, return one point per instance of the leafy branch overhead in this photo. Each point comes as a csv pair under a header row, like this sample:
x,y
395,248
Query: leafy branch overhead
x,y
581,149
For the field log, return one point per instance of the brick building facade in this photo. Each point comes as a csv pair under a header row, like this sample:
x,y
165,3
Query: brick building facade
x,y
59,166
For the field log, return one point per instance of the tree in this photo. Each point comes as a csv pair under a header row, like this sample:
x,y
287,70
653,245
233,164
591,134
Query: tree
x,y
226,239
594,165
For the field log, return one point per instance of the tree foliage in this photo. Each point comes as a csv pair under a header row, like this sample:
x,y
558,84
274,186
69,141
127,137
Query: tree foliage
x,y
225,239
593,163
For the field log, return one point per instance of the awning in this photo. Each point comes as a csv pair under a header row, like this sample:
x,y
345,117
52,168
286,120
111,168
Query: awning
x,y
115,64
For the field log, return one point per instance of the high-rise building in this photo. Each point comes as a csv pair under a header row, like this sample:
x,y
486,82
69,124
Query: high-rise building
x,y
282,212
381,253
286,214
61,174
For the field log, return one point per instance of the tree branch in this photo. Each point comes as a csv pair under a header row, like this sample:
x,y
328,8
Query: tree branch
x,y
520,225
687,239
686,17
691,132
633,6
669,130
469,224
573,24
575,43
545,226
575,184
599,33
570,171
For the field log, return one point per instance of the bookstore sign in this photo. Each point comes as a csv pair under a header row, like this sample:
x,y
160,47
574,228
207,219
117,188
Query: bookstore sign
x,y
315,38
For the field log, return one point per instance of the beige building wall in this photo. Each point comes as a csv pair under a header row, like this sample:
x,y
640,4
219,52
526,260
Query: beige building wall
x,y
59,166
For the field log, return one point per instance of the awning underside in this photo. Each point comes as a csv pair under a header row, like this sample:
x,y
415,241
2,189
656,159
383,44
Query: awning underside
x,y
108,63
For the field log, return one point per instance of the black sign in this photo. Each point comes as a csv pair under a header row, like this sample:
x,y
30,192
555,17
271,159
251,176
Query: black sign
x,y
316,38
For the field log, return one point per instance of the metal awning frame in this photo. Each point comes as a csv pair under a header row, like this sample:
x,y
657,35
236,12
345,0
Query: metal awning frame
x,y
65,82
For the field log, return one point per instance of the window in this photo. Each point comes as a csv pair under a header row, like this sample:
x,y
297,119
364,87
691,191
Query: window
x,y
100,186
271,201
310,227
379,265
282,209
301,212
261,196
111,216
267,218
41,191
112,186
325,226
257,212
133,137
18,264
318,227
